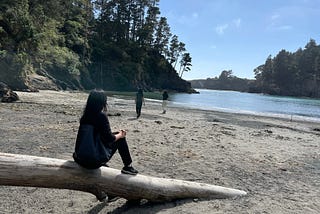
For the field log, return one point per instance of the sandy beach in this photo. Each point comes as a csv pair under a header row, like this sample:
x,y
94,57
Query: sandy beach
x,y
276,161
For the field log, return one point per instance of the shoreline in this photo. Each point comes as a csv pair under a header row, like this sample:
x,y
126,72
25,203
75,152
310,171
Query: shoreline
x,y
290,117
276,161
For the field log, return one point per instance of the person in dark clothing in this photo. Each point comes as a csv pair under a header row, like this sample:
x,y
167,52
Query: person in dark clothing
x,y
165,97
94,115
139,100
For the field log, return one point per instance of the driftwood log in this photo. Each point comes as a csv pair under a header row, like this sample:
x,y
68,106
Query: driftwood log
x,y
32,171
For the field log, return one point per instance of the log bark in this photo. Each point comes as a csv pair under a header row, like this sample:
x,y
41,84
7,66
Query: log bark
x,y
33,171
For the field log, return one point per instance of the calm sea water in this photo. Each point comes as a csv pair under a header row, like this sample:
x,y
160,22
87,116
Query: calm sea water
x,y
239,102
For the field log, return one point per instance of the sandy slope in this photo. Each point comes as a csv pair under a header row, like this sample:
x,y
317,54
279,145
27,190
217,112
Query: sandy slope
x,y
276,161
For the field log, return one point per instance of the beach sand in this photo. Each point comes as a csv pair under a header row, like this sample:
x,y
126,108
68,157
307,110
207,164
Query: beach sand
x,y
276,161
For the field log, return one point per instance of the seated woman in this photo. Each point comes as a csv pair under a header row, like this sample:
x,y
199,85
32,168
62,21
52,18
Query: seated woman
x,y
94,115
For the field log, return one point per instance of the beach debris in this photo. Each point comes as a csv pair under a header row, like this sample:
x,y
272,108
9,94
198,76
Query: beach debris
x,y
215,120
283,169
177,127
34,171
158,122
43,148
227,133
115,114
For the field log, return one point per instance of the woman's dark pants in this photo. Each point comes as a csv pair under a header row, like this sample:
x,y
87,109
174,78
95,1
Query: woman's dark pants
x,y
122,146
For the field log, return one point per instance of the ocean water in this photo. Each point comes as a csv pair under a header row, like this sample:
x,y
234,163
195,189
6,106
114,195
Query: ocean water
x,y
259,104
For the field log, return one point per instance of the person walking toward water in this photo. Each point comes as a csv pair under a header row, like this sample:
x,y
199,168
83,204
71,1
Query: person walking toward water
x,y
139,100
94,115
165,97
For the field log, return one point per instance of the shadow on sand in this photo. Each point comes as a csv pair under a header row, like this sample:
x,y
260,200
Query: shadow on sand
x,y
133,207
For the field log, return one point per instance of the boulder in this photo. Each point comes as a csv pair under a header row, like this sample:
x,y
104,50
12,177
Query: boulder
x,y
6,94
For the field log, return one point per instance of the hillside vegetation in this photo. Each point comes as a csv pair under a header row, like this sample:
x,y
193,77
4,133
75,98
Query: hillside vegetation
x,y
84,44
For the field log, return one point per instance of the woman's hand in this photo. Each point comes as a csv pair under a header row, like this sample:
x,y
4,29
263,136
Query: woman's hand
x,y
121,134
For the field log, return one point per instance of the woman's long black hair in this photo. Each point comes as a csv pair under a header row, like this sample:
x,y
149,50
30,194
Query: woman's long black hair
x,y
96,102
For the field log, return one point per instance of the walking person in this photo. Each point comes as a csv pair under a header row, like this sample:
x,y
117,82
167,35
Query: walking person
x,y
139,100
165,97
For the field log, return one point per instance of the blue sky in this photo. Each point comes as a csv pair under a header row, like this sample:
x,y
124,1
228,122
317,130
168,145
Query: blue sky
x,y
239,35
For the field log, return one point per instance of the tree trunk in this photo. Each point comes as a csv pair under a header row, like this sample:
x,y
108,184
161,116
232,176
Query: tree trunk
x,y
32,171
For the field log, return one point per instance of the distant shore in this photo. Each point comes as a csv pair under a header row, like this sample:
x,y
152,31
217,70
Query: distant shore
x,y
292,108
275,160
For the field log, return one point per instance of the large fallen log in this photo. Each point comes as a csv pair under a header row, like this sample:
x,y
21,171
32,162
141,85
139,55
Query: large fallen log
x,y
32,171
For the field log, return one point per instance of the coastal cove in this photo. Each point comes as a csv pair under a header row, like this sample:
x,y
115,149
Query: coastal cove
x,y
292,108
275,160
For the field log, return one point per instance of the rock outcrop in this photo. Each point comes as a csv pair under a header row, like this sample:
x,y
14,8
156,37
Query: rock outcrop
x,y
6,94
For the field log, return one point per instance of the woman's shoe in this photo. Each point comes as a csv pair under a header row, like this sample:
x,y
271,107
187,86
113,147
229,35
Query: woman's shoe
x,y
129,170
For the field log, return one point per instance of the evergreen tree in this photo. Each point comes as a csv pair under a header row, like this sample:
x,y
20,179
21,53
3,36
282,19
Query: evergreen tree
x,y
162,37
173,50
185,63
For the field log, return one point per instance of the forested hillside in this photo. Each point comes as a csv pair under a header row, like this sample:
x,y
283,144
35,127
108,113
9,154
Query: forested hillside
x,y
225,81
293,74
84,44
